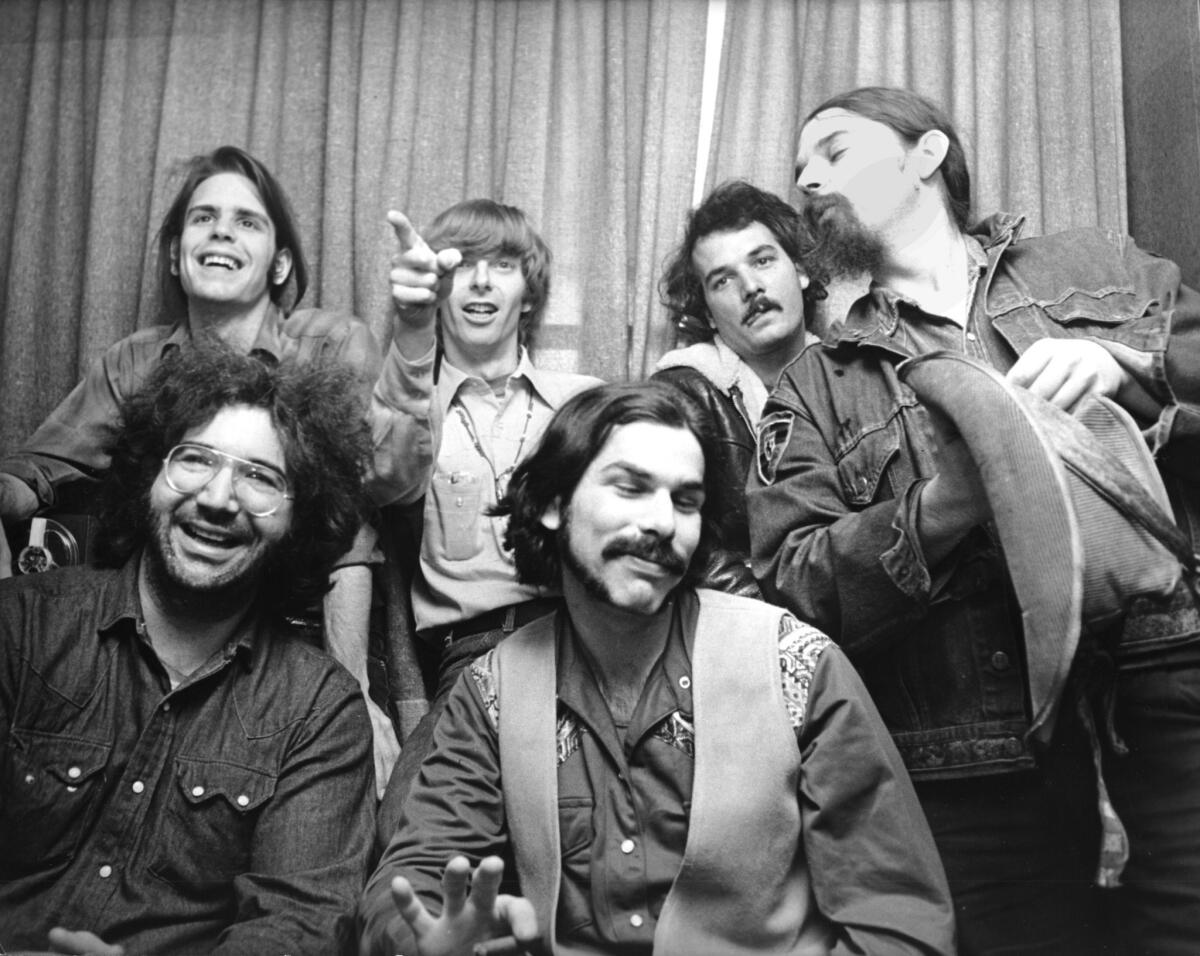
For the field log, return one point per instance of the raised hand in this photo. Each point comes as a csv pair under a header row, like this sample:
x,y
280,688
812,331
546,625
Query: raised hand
x,y
472,910
420,277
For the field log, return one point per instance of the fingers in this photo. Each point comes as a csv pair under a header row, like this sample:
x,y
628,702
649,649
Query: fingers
x,y
455,880
518,912
1065,371
485,884
82,943
411,908
419,277
406,235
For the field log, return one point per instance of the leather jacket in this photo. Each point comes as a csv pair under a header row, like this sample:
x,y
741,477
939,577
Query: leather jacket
x,y
729,569
832,508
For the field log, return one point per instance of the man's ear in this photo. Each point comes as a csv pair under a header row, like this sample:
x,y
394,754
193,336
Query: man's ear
x,y
929,152
281,268
175,256
803,278
552,516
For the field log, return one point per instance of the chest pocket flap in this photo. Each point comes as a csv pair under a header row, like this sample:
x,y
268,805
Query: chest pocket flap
x,y
242,788
69,760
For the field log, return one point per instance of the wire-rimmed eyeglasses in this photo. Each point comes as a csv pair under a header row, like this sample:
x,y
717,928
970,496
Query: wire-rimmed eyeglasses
x,y
260,489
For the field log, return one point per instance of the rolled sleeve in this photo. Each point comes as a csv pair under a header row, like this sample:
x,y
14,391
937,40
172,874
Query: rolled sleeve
x,y
875,869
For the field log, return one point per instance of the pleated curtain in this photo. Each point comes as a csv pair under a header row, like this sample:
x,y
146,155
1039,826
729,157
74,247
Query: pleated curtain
x,y
586,113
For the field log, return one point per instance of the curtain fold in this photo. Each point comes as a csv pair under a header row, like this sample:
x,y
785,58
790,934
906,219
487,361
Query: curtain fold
x,y
583,112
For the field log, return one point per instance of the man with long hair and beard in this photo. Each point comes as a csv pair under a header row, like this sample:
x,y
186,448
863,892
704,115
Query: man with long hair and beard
x,y
181,772
863,525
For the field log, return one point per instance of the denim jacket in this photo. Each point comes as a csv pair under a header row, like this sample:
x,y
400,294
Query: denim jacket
x,y
844,449
231,814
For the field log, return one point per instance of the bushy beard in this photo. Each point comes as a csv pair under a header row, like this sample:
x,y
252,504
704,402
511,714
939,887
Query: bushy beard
x,y
845,247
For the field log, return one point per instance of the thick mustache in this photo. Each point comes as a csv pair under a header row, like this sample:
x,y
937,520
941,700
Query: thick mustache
x,y
760,304
648,549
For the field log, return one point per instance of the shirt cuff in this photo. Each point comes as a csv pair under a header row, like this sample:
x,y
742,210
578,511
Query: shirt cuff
x,y
904,561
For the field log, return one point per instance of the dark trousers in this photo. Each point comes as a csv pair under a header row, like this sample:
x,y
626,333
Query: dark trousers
x,y
1156,791
455,658
1020,851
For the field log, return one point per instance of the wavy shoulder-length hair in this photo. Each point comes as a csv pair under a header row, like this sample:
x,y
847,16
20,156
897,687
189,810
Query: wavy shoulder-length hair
x,y
194,171
321,424
572,440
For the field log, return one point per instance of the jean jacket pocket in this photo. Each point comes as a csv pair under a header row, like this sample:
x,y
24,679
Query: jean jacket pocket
x,y
207,832
48,790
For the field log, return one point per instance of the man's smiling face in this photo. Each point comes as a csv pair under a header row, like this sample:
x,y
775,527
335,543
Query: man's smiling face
x,y
206,541
226,251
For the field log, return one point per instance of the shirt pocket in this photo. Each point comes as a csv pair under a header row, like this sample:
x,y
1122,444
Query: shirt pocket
x,y
207,832
863,465
49,795
576,835
458,501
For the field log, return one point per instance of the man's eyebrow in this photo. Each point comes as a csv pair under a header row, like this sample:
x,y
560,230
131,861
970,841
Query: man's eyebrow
x,y
254,461
635,471
240,212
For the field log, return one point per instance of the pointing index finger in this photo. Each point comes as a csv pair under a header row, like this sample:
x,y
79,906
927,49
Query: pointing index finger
x,y
406,235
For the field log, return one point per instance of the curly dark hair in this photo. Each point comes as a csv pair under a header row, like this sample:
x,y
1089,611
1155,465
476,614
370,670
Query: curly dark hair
x,y
733,205
322,426
230,159
575,435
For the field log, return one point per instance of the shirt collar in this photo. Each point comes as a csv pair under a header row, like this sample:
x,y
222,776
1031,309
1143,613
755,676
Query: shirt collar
x,y
451,379
577,687
876,315
268,344
122,613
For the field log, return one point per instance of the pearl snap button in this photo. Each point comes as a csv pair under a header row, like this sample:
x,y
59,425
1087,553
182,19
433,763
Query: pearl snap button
x,y
138,786
243,800
636,920
105,872
626,846
74,773
197,791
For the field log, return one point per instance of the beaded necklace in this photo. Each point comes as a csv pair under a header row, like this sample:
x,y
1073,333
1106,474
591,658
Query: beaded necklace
x,y
499,479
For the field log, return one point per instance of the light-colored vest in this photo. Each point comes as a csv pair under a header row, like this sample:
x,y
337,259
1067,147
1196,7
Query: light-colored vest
x,y
743,885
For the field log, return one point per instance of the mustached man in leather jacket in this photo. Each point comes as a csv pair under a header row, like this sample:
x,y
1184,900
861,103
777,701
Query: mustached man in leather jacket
x,y
864,527
738,288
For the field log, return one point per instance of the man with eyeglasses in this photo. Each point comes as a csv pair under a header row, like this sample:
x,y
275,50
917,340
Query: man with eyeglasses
x,y
181,772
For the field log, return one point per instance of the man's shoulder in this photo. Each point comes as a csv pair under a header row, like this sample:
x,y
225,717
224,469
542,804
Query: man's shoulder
x,y
61,584
556,387
291,661
143,346
322,323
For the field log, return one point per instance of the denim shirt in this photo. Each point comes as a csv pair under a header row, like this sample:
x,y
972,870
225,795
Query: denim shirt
x,y
232,814
833,527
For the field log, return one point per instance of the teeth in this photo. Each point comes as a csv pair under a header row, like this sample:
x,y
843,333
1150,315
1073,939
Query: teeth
x,y
224,261
480,308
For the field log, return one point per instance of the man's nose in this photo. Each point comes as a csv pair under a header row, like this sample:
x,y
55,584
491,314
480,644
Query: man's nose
x,y
749,282
219,493
481,276
811,177
222,226
658,515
